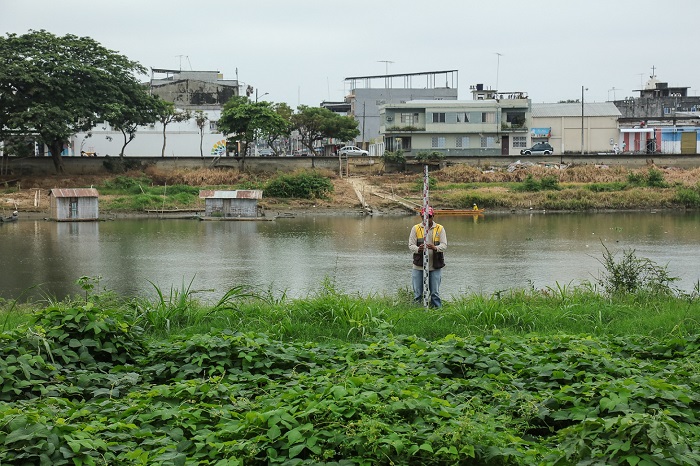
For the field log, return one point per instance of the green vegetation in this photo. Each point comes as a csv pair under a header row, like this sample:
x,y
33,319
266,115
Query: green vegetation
x,y
300,185
427,157
593,374
688,196
546,183
395,157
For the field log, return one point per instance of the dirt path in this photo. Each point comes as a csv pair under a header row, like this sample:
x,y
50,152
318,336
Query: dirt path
x,y
365,191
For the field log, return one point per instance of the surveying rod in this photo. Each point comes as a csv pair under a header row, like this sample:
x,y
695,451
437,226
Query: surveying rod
x,y
426,270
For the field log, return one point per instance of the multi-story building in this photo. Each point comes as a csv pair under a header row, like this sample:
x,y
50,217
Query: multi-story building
x,y
369,93
663,119
198,90
493,123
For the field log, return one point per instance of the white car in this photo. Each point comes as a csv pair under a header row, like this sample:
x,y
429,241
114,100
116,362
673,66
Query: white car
x,y
352,150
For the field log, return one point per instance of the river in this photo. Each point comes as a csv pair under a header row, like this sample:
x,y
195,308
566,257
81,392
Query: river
x,y
357,255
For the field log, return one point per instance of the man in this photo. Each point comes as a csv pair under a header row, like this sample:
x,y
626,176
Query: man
x,y
435,239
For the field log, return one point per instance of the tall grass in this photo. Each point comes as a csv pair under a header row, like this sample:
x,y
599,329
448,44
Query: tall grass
x,y
632,296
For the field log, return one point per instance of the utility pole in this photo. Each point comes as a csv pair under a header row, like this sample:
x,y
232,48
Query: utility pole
x,y
581,120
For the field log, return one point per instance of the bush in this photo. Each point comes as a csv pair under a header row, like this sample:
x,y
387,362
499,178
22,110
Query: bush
x,y
689,197
429,156
632,274
306,185
655,179
394,157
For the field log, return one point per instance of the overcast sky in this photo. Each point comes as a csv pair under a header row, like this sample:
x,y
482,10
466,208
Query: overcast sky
x,y
300,52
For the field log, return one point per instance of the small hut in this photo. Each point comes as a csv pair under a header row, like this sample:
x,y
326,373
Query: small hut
x,y
74,205
240,204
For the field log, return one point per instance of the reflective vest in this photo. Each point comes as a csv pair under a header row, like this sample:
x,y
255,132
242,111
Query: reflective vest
x,y
438,257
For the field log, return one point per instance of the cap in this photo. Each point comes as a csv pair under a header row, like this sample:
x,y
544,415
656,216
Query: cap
x,y
430,211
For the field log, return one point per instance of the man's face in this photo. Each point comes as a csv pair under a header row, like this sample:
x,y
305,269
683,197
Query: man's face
x,y
430,220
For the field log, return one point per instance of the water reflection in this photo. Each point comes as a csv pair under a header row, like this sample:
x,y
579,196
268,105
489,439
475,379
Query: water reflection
x,y
359,254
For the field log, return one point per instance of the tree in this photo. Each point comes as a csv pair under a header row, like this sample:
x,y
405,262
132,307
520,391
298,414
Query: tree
x,y
54,87
244,121
167,113
200,118
272,139
315,124
139,110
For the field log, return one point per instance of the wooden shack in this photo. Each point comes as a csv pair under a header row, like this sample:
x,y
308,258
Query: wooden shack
x,y
239,204
74,205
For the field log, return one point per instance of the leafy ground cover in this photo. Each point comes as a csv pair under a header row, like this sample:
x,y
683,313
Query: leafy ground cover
x,y
548,377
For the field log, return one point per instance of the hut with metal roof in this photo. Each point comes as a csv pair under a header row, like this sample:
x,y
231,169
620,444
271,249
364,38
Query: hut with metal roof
x,y
239,204
74,205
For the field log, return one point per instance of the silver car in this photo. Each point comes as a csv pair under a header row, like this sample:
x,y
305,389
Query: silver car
x,y
352,151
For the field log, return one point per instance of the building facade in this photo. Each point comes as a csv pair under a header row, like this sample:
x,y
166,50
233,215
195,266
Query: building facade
x,y
663,119
74,205
369,93
485,126
231,204
575,128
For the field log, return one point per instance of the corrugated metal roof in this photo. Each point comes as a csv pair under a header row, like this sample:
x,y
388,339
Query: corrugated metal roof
x,y
593,109
239,194
74,192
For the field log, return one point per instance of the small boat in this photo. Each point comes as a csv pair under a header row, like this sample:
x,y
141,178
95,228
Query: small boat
x,y
456,211
11,218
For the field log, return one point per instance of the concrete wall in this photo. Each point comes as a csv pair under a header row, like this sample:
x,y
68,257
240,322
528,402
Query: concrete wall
x,y
43,166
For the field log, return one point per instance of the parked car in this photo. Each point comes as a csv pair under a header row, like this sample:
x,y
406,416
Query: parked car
x,y
541,148
352,150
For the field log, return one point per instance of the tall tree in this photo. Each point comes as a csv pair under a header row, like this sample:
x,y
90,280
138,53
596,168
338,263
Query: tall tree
x,y
200,118
316,123
54,87
140,109
244,121
167,113
273,138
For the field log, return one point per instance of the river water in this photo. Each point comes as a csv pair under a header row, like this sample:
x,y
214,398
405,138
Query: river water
x,y
356,254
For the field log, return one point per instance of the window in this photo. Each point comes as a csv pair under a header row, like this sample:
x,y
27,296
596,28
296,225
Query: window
x,y
213,125
519,141
462,142
462,117
439,117
487,141
407,118
488,117
438,142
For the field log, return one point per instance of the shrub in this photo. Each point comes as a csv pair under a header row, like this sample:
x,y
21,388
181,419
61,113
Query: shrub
x,y
304,185
689,197
394,157
429,156
549,182
655,179
632,274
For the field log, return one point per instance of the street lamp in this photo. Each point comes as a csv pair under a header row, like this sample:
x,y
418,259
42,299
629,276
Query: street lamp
x,y
256,95
582,89
256,133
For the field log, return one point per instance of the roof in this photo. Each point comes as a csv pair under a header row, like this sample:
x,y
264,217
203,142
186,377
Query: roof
x,y
594,109
239,194
74,192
